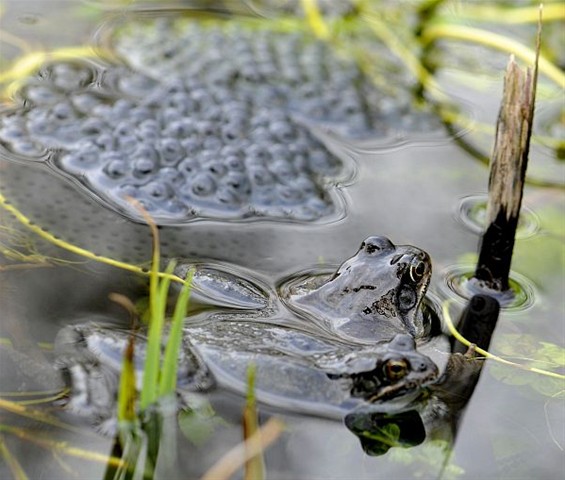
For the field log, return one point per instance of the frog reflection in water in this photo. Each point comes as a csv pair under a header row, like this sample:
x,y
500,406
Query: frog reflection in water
x,y
374,295
299,367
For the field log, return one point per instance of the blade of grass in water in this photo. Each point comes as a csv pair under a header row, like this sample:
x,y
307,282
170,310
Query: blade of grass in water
x,y
157,305
59,447
168,380
153,353
237,456
315,19
120,450
127,391
18,472
254,466
37,415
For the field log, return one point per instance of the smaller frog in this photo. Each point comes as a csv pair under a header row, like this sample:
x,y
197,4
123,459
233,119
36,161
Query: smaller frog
x,y
373,296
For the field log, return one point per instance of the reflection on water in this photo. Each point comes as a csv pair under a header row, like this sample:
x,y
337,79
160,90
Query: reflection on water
x,y
404,188
472,210
521,296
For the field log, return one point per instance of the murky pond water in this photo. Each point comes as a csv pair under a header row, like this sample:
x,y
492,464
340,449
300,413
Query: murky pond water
x,y
353,159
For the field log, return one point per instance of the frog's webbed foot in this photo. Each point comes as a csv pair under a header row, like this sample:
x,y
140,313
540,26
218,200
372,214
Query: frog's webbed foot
x,y
471,351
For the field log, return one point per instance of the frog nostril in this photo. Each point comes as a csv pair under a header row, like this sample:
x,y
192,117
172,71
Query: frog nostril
x,y
396,259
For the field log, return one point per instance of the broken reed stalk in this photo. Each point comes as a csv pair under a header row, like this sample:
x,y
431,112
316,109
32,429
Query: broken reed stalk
x,y
477,323
507,174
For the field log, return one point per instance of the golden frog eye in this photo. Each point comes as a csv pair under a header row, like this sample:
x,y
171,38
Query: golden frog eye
x,y
395,369
417,271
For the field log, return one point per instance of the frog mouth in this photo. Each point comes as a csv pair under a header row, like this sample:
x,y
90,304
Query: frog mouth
x,y
403,388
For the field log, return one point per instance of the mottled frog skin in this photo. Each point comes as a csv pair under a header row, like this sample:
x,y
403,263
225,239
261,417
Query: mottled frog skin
x,y
312,373
295,370
90,357
374,295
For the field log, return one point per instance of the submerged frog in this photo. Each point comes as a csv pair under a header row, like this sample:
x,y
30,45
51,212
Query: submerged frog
x,y
294,370
90,357
359,350
312,373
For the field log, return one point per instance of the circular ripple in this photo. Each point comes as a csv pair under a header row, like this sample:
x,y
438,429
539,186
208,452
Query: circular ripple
x,y
458,279
471,212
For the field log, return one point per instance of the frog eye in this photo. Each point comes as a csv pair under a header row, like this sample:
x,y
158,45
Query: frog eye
x,y
417,271
395,369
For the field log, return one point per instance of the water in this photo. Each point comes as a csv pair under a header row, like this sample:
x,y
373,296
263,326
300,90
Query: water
x,y
409,188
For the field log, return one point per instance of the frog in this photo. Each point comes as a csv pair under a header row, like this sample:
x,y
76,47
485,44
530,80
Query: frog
x,y
294,370
308,359
311,373
89,357
375,294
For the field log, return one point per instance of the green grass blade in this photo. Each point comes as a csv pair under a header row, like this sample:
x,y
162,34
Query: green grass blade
x,y
255,465
169,373
127,391
157,305
18,473
151,368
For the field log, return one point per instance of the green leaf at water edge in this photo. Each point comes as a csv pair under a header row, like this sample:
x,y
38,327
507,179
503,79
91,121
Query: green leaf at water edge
x,y
127,392
168,379
158,293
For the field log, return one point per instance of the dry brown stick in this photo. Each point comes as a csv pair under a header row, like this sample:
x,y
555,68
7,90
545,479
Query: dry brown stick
x,y
507,174
237,456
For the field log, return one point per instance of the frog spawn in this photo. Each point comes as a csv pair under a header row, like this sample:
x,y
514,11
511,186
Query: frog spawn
x,y
182,149
279,69
215,125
